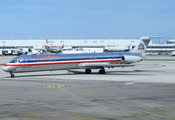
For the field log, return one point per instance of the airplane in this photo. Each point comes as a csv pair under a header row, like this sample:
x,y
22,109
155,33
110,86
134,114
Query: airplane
x,y
53,48
87,61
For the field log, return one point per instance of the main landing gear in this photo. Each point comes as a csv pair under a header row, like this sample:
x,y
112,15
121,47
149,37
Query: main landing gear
x,y
101,71
12,74
88,71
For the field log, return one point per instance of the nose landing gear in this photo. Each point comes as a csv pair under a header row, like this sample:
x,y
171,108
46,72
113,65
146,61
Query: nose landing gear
x,y
12,74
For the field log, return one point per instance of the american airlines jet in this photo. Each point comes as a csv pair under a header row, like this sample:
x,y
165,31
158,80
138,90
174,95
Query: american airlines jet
x,y
53,48
87,61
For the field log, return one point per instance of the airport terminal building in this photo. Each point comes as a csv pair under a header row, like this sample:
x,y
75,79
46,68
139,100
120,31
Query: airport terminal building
x,y
107,44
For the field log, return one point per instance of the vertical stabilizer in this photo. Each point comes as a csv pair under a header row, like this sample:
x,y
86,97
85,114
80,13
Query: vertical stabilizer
x,y
46,41
143,44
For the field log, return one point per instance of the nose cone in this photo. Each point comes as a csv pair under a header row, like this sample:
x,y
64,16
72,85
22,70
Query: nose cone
x,y
8,68
5,68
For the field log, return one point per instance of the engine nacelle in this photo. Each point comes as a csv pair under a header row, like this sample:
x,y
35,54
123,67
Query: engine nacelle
x,y
131,59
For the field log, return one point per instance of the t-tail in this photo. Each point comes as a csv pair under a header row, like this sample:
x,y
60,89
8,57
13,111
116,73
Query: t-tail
x,y
46,41
141,47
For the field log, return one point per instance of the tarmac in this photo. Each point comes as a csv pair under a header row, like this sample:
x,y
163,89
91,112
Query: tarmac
x,y
143,92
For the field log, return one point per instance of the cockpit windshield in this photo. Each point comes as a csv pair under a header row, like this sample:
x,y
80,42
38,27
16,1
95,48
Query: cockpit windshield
x,y
15,60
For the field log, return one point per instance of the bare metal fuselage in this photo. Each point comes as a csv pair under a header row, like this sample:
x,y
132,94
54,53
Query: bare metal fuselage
x,y
32,63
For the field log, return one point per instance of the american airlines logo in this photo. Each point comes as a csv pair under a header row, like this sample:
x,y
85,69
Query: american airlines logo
x,y
47,57
141,46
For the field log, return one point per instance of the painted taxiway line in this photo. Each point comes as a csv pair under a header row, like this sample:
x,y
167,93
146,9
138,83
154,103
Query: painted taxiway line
x,y
6,110
39,114
51,86
143,111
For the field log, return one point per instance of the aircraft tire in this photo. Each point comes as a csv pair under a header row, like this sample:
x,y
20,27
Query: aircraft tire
x,y
102,71
88,71
12,75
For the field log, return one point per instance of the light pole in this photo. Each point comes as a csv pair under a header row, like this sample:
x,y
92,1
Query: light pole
x,y
120,35
70,36
46,36
130,35
161,39
1,36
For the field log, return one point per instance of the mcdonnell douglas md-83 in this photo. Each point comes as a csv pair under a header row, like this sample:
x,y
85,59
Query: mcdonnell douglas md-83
x,y
87,61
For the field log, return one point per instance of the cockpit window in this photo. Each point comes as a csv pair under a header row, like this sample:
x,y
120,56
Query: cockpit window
x,y
15,60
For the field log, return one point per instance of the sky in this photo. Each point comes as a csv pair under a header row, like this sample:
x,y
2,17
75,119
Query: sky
x,y
75,19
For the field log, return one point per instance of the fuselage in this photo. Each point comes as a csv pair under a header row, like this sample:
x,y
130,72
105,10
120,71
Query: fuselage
x,y
50,62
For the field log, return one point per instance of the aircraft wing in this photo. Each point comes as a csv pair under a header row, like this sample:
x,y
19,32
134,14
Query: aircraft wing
x,y
98,65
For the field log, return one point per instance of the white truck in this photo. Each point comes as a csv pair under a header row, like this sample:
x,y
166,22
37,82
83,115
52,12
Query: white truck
x,y
172,53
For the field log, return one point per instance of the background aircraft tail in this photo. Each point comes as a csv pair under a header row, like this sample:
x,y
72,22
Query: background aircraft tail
x,y
143,44
46,41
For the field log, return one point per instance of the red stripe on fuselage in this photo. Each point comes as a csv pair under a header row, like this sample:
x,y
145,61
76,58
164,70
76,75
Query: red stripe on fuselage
x,y
46,63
